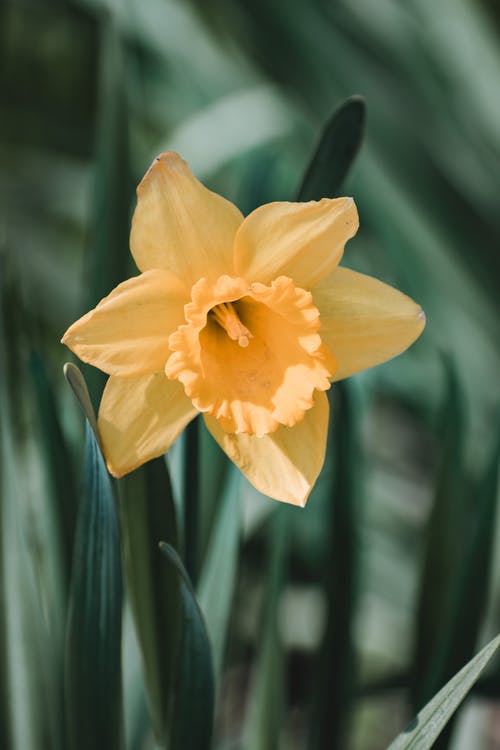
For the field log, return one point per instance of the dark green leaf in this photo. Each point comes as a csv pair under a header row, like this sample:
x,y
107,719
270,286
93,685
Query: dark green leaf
x,y
214,470
423,731
194,699
443,546
4,688
57,460
108,252
52,49
335,666
218,576
266,702
335,152
147,516
470,600
108,257
93,647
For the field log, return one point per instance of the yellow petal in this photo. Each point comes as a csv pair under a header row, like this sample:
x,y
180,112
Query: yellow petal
x,y
302,240
127,333
363,321
250,354
139,419
284,464
181,226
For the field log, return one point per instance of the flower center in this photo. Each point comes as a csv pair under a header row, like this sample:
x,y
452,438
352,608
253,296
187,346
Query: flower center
x,y
267,380
226,316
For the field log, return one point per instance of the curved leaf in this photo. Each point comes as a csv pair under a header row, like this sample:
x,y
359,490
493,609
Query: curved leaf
x,y
194,700
93,647
425,728
335,152
216,586
147,515
335,661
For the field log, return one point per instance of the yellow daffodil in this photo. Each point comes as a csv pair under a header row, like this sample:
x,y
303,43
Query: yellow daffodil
x,y
246,320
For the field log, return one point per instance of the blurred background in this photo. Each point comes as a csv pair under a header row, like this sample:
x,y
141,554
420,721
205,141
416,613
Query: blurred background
x,y
333,624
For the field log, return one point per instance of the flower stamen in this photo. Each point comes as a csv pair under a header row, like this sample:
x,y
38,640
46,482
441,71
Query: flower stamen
x,y
226,316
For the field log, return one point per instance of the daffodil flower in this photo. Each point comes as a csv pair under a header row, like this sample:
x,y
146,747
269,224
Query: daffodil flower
x,y
246,320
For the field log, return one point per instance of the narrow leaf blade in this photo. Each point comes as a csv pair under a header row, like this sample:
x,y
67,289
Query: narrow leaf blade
x,y
333,687
147,515
266,702
335,152
93,647
216,587
194,701
427,725
57,459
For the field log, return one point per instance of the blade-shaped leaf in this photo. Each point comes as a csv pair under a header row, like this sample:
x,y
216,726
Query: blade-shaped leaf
x,y
266,703
335,152
335,667
443,546
147,516
107,258
213,469
423,731
79,387
93,647
469,600
216,586
194,700
57,460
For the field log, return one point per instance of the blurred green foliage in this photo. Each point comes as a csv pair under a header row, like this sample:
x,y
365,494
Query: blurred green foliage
x,y
329,626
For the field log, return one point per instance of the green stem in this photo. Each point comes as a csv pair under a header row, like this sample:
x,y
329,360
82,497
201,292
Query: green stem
x,y
191,494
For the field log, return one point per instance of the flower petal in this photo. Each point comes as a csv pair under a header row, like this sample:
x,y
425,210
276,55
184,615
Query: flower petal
x,y
284,464
139,419
180,225
302,240
363,321
267,381
127,333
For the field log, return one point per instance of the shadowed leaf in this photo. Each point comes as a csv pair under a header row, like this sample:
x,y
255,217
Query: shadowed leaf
x,y
93,647
217,581
266,702
335,664
57,460
470,600
147,516
443,546
338,146
194,699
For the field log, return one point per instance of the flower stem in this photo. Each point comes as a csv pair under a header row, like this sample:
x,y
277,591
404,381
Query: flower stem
x,y
191,493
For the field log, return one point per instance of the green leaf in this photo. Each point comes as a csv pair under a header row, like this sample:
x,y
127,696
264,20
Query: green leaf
x,y
266,702
57,460
79,387
93,647
423,731
214,471
335,661
53,51
218,576
335,152
443,546
470,600
107,258
194,699
191,499
147,516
